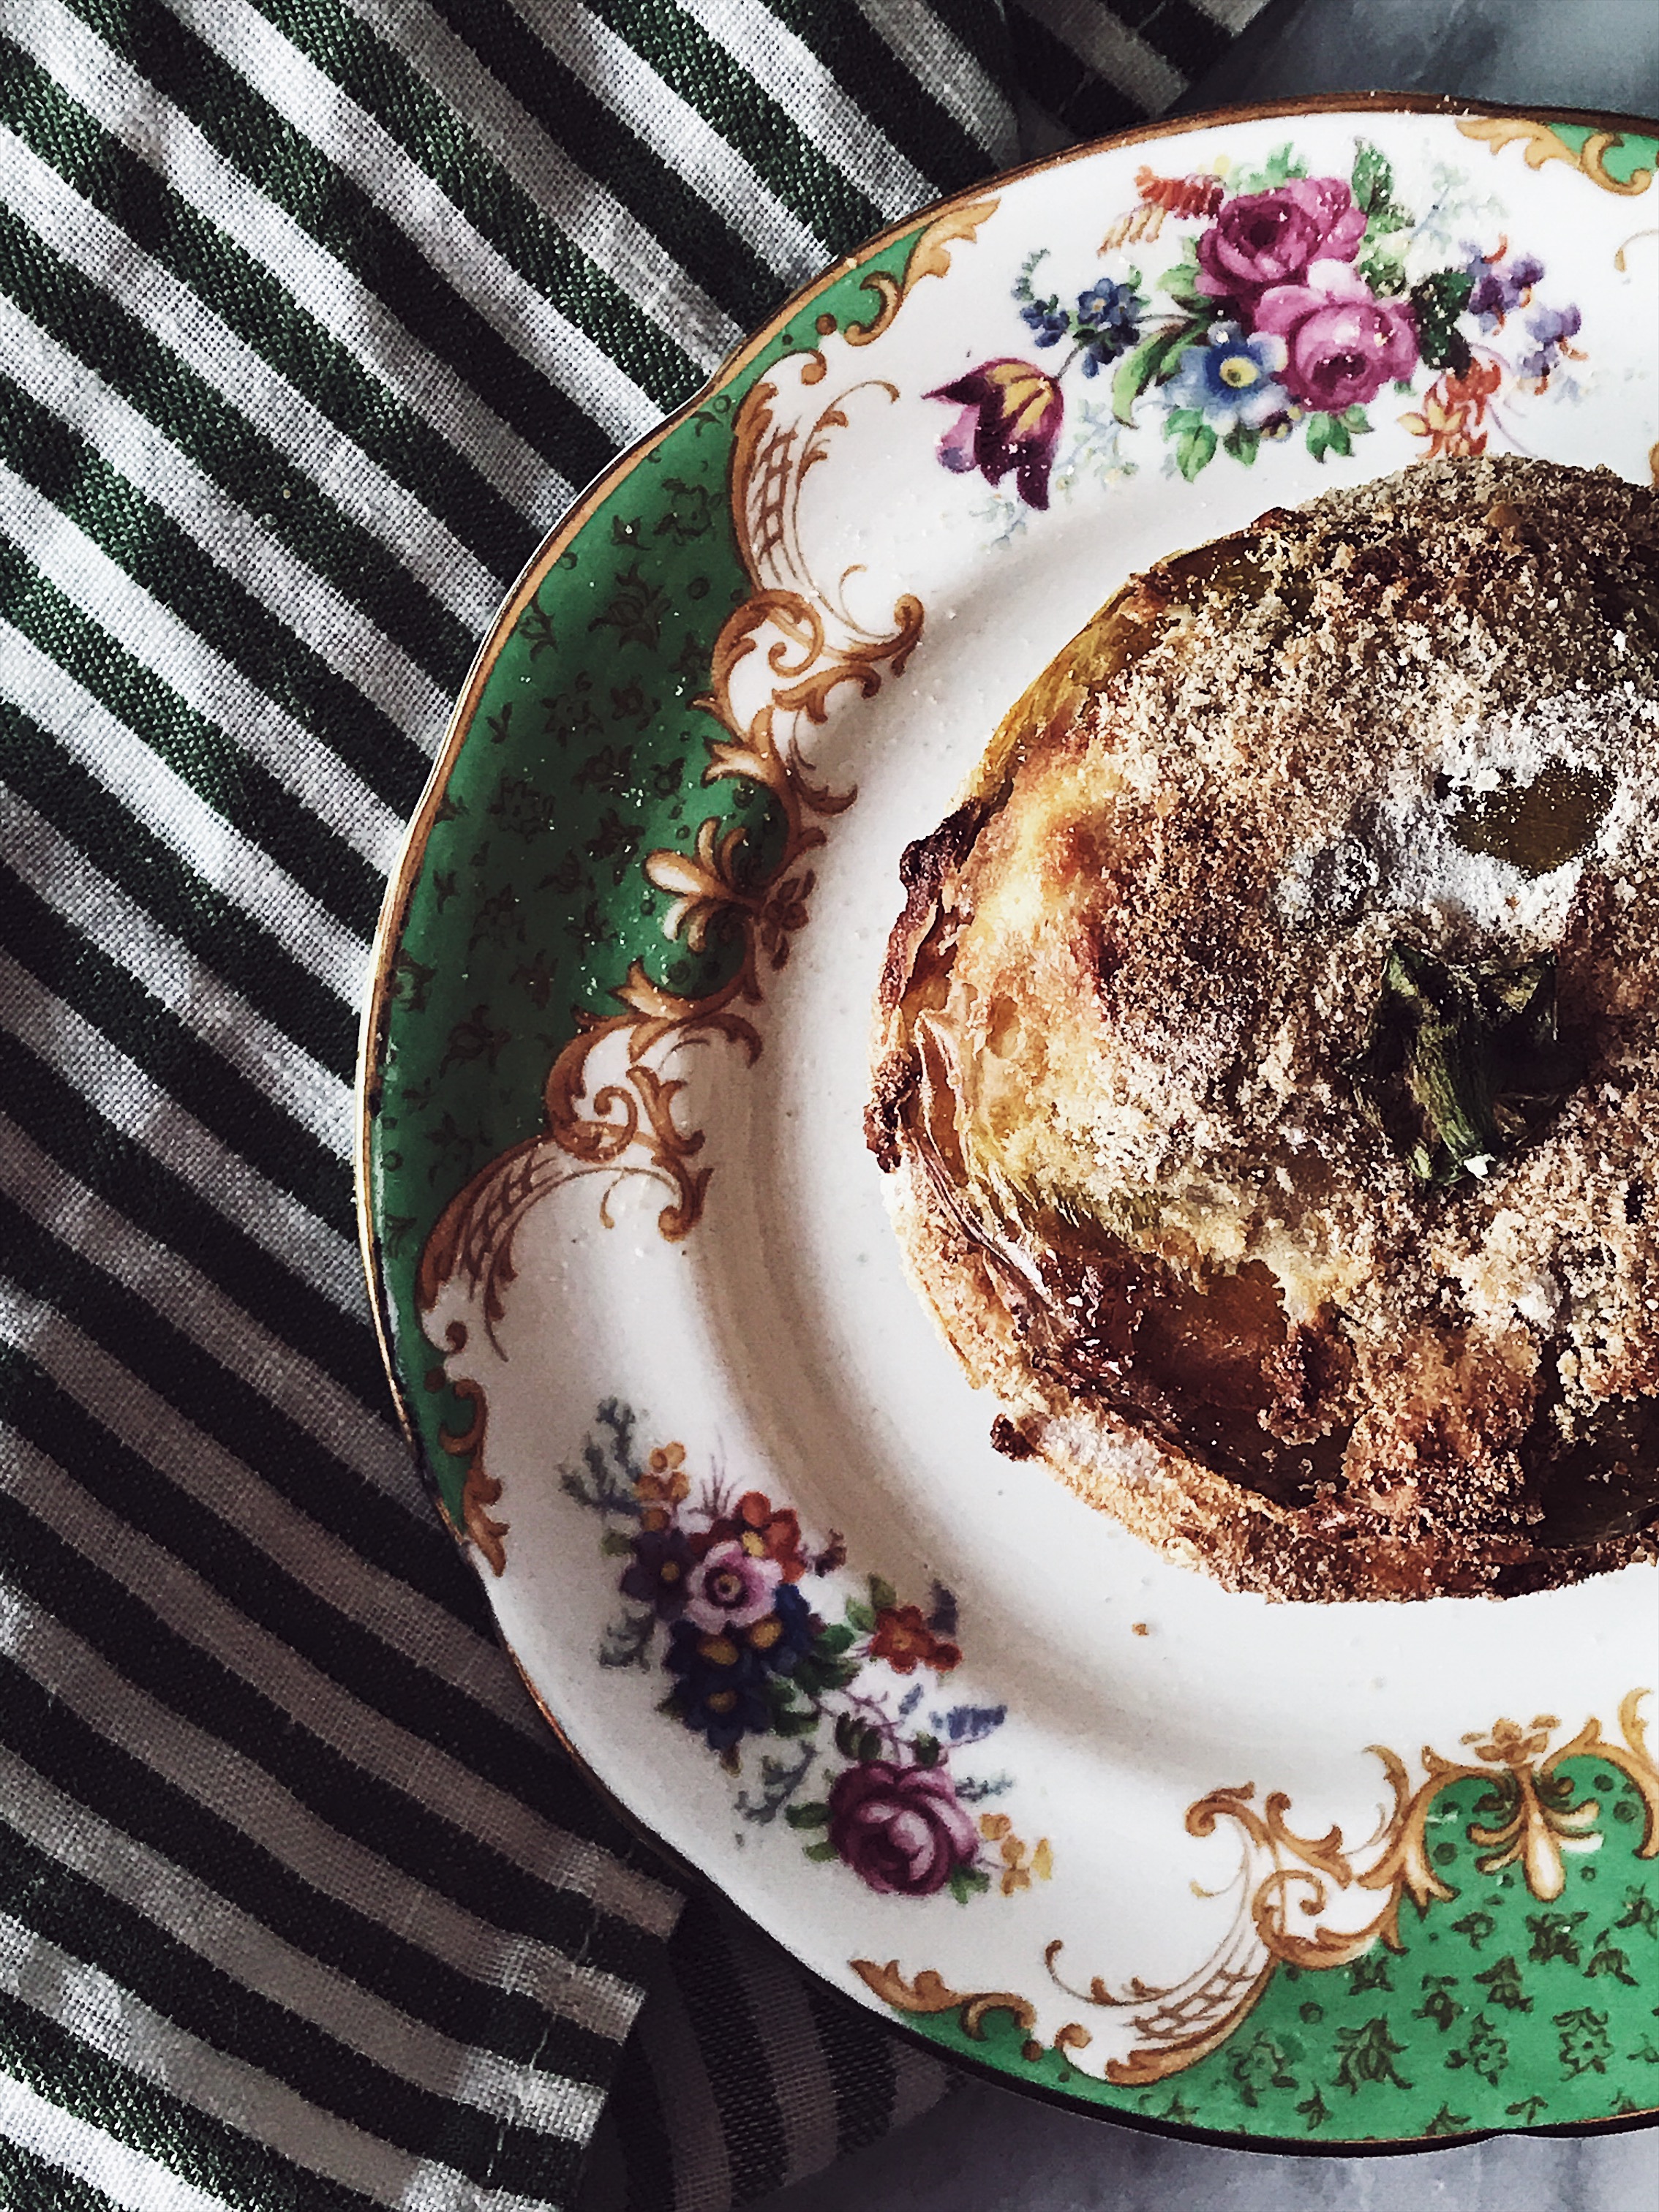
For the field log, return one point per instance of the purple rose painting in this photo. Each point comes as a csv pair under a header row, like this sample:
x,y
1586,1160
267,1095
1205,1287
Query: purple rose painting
x,y
1296,303
834,1688
901,1828
1549,332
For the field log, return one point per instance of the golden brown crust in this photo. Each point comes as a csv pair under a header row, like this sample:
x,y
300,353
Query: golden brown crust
x,y
1384,769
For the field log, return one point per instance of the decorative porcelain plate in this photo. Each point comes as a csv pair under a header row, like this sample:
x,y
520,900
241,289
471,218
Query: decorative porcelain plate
x,y
1327,1876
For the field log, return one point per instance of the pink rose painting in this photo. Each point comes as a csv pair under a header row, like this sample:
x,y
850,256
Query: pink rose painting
x,y
1343,344
1263,239
1296,303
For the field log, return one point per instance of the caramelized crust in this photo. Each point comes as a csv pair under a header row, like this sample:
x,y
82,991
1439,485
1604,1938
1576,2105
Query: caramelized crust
x,y
1268,1053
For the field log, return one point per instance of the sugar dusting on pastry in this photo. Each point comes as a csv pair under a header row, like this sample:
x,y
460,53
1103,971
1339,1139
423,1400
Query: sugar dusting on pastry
x,y
1268,1052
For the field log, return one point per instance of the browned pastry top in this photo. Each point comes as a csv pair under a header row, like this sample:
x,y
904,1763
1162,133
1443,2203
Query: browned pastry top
x,y
1268,1050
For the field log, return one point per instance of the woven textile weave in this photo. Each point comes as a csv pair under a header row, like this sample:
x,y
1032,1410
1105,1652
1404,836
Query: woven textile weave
x,y
314,316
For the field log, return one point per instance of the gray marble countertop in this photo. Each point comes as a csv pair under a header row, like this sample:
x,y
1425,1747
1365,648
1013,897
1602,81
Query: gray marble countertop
x,y
986,2149
1551,53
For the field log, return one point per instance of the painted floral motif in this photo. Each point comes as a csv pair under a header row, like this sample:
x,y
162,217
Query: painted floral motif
x,y
717,1587
1010,421
1296,301
1309,1905
580,795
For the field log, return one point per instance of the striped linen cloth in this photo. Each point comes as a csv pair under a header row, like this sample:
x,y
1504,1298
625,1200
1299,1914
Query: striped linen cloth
x,y
314,315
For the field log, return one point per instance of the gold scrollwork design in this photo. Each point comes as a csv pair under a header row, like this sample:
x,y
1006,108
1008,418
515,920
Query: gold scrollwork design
x,y
930,256
1290,1882
928,1993
479,1489
628,1121
1542,144
1291,1878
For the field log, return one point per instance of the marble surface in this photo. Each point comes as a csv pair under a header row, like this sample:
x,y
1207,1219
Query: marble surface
x,y
1555,53
986,2149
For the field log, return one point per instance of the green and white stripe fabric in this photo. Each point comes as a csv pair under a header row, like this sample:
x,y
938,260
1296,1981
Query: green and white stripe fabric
x,y
314,315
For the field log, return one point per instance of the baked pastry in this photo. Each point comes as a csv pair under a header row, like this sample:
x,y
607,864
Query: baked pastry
x,y
1267,1055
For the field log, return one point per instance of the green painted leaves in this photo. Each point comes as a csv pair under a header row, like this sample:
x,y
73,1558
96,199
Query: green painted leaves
x,y
1259,2065
1503,1984
1586,2045
1484,2050
1154,359
1281,167
1335,434
1194,440
636,608
1381,258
